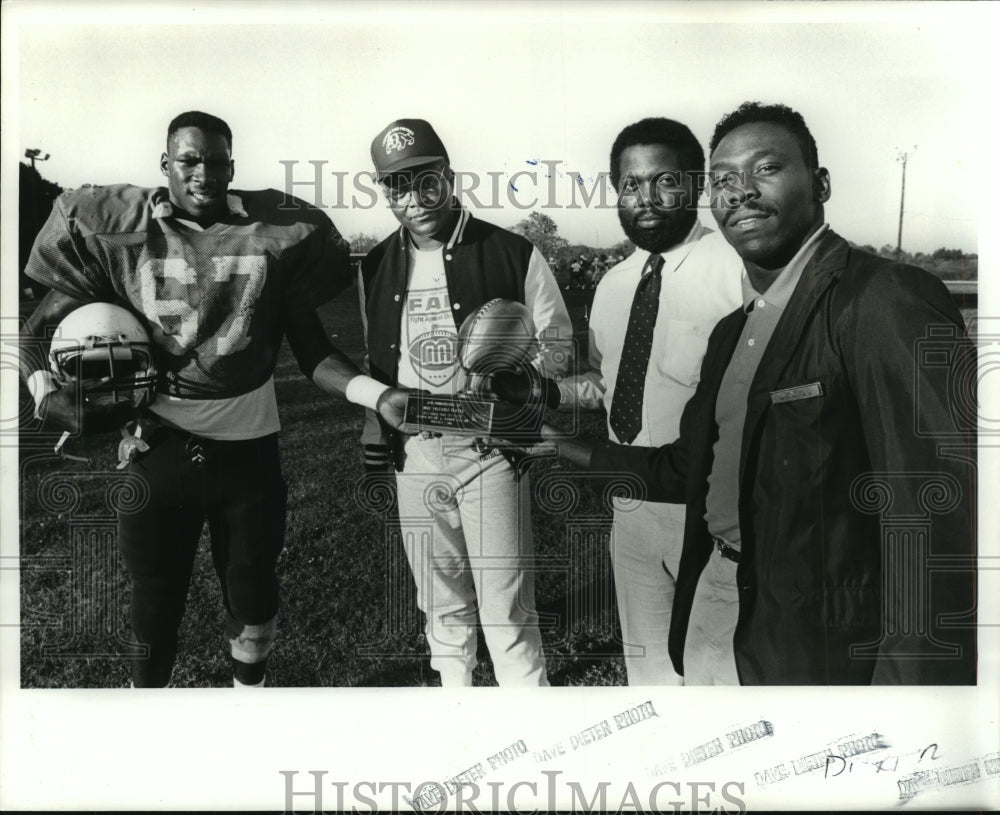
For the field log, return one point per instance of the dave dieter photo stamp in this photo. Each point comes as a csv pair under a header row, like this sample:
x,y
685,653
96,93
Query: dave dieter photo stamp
x,y
498,407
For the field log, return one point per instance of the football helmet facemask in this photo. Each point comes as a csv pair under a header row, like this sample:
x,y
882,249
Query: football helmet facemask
x,y
107,349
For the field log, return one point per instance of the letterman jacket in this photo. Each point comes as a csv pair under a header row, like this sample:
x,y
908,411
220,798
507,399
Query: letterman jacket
x,y
481,261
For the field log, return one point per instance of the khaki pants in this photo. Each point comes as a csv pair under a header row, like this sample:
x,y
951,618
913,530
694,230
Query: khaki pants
x,y
646,543
466,523
708,648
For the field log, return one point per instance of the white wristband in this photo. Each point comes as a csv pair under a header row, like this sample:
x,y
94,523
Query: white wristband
x,y
41,384
365,391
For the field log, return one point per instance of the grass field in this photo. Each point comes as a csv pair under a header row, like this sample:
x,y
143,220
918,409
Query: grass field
x,y
348,616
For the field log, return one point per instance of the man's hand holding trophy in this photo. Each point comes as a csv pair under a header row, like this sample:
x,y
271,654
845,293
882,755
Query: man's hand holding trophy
x,y
496,342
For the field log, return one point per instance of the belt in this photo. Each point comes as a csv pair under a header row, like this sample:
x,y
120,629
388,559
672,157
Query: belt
x,y
727,550
199,448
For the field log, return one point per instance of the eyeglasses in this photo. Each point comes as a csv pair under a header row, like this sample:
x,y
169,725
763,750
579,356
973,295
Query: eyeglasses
x,y
429,188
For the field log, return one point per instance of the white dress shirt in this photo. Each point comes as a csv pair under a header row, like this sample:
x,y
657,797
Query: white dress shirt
x,y
700,285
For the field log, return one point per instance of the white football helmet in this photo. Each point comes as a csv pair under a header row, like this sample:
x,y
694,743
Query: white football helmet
x,y
108,349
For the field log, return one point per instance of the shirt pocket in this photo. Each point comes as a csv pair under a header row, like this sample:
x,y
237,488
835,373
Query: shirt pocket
x,y
811,403
679,350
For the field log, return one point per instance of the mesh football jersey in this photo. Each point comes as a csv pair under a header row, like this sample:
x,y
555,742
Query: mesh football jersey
x,y
215,300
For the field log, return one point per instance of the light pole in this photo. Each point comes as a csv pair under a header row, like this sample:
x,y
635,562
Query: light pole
x,y
902,157
35,154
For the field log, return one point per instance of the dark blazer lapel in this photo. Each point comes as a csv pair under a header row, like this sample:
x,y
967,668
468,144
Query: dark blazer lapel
x,y
717,357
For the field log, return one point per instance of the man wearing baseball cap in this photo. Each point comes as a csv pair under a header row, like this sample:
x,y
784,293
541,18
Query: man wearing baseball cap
x,y
464,511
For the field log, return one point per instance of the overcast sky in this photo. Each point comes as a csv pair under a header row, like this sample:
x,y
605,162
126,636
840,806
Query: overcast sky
x,y
509,86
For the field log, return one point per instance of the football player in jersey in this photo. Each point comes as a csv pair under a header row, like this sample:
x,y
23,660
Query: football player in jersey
x,y
218,277
464,512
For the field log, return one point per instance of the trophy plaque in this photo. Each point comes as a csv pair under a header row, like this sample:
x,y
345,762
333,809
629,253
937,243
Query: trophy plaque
x,y
499,336
461,415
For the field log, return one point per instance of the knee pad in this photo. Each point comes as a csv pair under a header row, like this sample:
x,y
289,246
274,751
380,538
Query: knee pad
x,y
251,643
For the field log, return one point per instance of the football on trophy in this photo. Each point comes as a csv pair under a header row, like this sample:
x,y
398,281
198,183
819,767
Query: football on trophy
x,y
498,336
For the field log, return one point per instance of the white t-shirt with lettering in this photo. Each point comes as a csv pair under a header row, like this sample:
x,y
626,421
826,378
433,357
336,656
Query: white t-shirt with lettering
x,y
428,356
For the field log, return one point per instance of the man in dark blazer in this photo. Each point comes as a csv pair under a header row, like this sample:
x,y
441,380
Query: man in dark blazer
x,y
827,457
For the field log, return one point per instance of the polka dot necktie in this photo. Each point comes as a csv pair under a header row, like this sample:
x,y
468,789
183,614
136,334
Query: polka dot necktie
x,y
626,405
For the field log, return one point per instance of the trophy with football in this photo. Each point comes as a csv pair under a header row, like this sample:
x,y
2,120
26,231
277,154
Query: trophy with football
x,y
498,337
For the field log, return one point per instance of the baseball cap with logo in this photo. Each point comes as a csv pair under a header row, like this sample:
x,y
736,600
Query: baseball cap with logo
x,y
403,144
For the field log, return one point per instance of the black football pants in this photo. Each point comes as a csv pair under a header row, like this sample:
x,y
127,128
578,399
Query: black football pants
x,y
238,487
